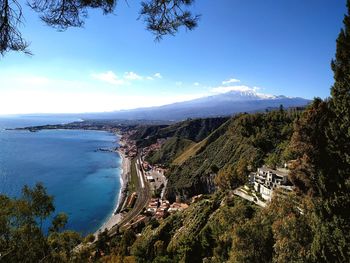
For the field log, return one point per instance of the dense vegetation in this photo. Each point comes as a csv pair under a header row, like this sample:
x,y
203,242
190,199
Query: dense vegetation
x,y
171,149
23,237
202,231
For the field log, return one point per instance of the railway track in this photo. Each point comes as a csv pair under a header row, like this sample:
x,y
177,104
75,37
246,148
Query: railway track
x,y
144,195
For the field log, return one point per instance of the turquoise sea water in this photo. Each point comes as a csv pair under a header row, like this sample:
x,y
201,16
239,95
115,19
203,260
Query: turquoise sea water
x,y
84,182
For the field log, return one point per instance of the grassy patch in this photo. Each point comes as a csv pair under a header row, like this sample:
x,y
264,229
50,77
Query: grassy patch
x,y
134,182
189,152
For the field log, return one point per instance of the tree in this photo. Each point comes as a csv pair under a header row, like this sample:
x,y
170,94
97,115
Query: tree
x,y
40,202
332,221
340,100
291,229
102,246
322,168
22,238
339,129
58,222
308,148
252,241
162,17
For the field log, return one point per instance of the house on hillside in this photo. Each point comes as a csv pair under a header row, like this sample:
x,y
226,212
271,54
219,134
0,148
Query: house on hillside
x,y
266,180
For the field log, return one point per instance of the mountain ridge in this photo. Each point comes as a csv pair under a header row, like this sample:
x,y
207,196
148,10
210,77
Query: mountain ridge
x,y
224,104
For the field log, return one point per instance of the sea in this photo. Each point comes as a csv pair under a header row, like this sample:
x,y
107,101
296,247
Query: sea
x,y
84,181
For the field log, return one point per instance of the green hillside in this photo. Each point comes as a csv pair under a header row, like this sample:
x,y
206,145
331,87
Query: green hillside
x,y
194,130
201,231
189,152
172,148
245,141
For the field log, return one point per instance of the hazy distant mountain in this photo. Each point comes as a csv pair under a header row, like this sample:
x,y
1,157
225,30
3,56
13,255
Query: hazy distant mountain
x,y
217,105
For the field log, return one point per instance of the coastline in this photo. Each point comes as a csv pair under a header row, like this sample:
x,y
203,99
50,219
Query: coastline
x,y
116,216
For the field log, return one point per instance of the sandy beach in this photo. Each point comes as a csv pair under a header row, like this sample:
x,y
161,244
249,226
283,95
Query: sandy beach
x,y
116,217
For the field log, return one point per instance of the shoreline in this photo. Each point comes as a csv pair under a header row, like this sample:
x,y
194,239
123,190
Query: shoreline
x,y
115,217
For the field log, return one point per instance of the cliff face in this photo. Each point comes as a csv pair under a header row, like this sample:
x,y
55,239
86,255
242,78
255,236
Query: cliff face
x,y
199,185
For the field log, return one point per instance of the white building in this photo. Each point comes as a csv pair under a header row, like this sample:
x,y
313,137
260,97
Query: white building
x,y
265,180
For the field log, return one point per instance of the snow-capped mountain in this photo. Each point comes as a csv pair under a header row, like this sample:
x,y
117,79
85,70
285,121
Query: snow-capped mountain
x,y
217,105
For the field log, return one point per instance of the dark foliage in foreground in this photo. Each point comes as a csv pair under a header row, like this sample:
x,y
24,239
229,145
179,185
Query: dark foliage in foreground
x,y
22,235
162,17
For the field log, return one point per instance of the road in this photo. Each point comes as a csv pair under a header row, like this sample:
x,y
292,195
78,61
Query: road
x,y
144,195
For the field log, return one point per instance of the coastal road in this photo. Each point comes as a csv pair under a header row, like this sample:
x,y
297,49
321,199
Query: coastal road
x,y
143,197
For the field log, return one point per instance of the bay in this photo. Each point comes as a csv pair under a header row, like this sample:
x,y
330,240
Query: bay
x,y
85,182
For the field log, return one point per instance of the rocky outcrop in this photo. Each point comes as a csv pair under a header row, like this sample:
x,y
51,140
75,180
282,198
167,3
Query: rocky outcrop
x,y
199,185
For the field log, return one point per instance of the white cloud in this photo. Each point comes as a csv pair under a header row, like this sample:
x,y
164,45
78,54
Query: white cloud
x,y
132,76
129,76
196,84
240,88
158,75
109,77
230,81
155,76
178,83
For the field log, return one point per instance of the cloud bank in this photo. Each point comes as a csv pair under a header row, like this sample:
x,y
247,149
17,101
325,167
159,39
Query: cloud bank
x,y
239,88
230,81
112,78
108,77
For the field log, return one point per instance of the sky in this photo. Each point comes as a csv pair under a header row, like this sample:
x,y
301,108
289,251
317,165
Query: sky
x,y
270,47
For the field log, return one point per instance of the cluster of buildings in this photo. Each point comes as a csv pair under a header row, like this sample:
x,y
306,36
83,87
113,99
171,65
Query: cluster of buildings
x,y
158,208
174,207
128,146
266,180
153,147
162,208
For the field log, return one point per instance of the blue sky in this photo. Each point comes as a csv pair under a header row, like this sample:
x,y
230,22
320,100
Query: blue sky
x,y
272,47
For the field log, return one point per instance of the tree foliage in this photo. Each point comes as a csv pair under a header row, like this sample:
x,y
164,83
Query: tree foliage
x,y
202,232
22,237
321,142
308,149
162,17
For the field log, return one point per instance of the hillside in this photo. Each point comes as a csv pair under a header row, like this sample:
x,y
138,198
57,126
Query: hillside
x,y
194,234
194,130
243,141
171,149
